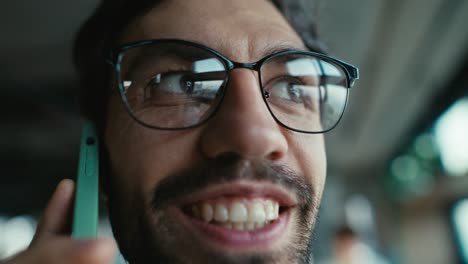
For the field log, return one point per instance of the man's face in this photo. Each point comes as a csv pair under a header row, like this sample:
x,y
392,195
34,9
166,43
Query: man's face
x,y
238,189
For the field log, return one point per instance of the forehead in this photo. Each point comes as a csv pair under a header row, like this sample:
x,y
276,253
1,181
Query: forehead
x,y
240,29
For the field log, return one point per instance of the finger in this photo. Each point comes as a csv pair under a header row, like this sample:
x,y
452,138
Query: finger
x,y
57,215
67,250
99,251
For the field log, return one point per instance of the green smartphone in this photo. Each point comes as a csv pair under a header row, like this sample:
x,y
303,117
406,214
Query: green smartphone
x,y
86,211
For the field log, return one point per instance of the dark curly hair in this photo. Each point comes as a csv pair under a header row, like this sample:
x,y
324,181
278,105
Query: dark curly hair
x,y
104,27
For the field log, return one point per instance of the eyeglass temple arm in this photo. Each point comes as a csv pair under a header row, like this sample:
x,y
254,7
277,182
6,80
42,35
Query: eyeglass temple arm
x,y
353,73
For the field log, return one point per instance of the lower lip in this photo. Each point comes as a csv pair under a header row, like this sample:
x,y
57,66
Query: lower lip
x,y
237,239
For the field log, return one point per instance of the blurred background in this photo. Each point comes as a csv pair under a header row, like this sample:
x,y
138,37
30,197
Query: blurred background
x,y
398,162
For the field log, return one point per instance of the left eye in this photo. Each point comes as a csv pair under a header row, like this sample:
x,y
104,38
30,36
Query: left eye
x,y
294,92
291,90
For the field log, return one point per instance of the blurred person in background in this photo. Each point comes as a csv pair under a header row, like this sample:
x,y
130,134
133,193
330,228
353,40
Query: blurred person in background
x,y
211,116
348,248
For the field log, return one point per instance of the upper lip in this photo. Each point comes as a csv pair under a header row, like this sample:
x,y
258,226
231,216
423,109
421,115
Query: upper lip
x,y
244,189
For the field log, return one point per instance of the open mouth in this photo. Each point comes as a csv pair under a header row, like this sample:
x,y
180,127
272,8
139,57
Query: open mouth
x,y
242,214
238,216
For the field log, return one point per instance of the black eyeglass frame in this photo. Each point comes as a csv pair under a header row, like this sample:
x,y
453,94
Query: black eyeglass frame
x,y
115,56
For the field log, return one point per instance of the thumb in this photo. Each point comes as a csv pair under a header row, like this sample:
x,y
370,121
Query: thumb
x,y
57,216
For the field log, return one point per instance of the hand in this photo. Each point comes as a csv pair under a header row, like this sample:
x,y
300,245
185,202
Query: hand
x,y
52,243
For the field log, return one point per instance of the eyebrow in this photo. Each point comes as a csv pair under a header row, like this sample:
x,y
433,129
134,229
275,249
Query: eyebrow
x,y
285,47
270,50
174,53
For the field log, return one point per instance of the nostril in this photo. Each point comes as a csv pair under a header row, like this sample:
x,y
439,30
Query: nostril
x,y
275,155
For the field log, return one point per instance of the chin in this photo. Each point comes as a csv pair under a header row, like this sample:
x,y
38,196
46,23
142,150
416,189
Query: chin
x,y
245,223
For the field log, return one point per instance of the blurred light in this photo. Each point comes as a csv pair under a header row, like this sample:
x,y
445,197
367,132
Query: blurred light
x,y
422,184
460,216
409,177
16,234
451,132
424,147
2,234
405,168
359,214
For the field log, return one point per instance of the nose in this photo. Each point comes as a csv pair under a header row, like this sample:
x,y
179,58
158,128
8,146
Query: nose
x,y
243,124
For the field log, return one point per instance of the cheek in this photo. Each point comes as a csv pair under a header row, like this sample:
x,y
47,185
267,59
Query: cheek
x,y
140,157
309,153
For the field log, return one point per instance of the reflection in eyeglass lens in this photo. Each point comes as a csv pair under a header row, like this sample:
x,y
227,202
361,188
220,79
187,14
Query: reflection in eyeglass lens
x,y
177,85
172,86
304,92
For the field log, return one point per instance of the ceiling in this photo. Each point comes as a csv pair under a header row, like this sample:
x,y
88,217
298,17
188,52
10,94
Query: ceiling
x,y
408,52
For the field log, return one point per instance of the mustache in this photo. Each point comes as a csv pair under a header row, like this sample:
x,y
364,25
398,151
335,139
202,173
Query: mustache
x,y
229,168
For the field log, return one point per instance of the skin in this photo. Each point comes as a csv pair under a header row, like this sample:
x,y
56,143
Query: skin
x,y
243,31
141,158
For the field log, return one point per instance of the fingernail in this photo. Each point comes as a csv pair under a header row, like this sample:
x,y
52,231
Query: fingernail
x,y
65,187
65,184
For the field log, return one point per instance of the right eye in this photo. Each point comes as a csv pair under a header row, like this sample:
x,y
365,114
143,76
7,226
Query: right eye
x,y
201,86
169,82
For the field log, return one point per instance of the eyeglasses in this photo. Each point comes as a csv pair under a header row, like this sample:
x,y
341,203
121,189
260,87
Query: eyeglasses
x,y
175,84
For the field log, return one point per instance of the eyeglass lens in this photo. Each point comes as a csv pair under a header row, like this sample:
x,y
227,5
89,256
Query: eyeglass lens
x,y
174,85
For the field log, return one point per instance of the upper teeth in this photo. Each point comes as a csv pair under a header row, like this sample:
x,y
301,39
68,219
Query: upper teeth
x,y
244,211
